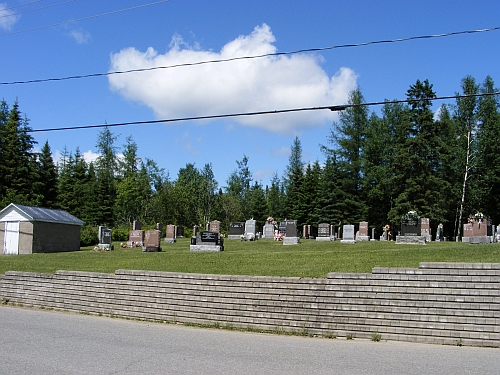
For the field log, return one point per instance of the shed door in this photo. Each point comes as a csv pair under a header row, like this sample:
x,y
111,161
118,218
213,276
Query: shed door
x,y
11,238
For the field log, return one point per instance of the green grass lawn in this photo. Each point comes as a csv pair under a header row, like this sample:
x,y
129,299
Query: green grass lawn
x,y
262,257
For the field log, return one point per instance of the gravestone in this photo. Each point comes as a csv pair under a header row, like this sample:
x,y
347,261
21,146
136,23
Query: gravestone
x,y
348,234
151,241
170,233
481,231
250,230
306,230
214,226
425,228
135,238
291,237
373,235
207,241
440,233
324,232
136,225
105,238
282,227
362,234
180,231
236,230
411,230
268,231
468,233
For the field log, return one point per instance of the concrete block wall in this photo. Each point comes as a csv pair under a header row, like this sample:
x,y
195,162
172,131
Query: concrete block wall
x,y
442,303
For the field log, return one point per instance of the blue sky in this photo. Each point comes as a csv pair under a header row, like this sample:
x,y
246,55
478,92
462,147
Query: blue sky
x,y
180,31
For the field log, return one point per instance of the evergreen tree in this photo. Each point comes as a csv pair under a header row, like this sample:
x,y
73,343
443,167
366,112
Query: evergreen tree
x,y
466,122
257,207
106,168
275,198
421,187
308,195
348,138
293,181
47,177
238,186
488,167
18,158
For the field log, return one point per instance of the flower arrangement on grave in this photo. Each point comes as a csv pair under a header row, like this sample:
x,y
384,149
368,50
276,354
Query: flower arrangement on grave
x,y
271,220
478,216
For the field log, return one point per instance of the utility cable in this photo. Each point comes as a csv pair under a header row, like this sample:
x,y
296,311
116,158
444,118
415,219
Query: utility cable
x,y
21,5
35,9
254,57
85,18
334,108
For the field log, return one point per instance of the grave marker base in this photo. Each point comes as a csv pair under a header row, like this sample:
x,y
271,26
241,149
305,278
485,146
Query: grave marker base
x,y
206,248
324,238
411,240
291,240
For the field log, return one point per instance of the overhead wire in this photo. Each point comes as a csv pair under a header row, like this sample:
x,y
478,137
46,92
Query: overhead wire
x,y
35,9
85,18
334,108
21,5
307,50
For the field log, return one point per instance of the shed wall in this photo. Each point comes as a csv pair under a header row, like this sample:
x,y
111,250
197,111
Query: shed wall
x,y
53,237
25,237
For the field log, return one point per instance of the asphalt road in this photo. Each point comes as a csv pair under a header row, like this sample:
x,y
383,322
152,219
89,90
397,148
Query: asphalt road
x,y
46,342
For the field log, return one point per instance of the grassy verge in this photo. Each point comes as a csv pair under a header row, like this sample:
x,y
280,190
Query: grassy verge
x,y
266,258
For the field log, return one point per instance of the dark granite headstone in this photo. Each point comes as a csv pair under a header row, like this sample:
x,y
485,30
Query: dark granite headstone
x,y
208,236
136,225
324,230
236,228
106,236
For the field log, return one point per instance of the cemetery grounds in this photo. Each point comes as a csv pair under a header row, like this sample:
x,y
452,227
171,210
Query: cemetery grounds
x,y
310,258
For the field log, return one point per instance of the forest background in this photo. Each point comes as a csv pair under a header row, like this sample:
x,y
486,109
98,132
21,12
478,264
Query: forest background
x,y
445,165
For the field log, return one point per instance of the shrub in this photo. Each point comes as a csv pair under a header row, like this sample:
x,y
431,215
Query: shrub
x,y
89,235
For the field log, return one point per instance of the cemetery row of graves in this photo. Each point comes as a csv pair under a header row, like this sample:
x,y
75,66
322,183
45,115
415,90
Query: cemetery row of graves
x,y
413,230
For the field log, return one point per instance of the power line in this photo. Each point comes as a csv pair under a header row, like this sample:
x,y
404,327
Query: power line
x,y
21,5
35,9
254,57
334,108
85,18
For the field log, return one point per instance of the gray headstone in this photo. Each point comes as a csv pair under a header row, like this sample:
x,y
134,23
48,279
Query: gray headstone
x,y
268,230
291,228
348,232
250,227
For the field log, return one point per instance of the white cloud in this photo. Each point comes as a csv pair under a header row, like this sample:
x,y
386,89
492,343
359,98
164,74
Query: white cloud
x,y
261,84
90,156
7,19
80,36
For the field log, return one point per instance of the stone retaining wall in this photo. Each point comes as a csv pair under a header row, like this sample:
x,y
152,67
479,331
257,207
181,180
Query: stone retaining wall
x,y
441,303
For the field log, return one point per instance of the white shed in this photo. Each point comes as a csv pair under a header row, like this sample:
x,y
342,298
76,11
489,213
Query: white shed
x,y
27,230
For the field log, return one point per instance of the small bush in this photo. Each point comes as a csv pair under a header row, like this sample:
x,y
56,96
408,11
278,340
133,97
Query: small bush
x,y
120,234
89,235
376,336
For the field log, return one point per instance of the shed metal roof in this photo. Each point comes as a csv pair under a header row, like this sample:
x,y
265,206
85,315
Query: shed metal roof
x,y
43,214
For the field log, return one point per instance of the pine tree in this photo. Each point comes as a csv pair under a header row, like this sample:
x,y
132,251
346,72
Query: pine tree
x,y
47,177
417,163
293,180
18,158
348,139
488,181
106,168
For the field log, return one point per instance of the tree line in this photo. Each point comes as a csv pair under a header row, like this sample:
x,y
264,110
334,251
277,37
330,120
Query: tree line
x,y
444,164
